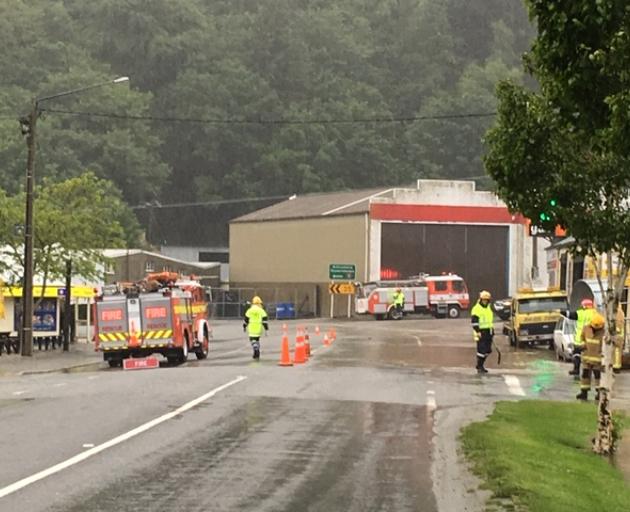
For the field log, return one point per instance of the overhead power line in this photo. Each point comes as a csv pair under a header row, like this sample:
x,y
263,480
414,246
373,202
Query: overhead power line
x,y
262,121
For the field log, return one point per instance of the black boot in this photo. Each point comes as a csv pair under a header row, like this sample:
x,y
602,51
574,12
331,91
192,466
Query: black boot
x,y
480,363
256,355
582,395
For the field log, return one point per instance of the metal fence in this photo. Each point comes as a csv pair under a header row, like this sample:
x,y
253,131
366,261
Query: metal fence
x,y
279,302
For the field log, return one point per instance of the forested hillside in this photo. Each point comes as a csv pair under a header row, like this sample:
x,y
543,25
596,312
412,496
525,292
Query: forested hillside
x,y
250,98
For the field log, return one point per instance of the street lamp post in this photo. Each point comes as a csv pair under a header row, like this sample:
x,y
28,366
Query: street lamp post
x,y
28,125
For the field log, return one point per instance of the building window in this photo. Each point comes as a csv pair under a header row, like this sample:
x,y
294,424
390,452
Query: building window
x,y
149,266
166,268
218,257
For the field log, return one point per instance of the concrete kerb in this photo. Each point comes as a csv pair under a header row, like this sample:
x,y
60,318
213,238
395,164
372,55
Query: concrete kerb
x,y
79,356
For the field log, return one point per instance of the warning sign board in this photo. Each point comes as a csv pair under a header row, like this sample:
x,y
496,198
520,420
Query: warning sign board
x,y
341,288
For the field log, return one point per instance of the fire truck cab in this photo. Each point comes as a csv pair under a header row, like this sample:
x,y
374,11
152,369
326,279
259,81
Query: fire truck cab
x,y
163,314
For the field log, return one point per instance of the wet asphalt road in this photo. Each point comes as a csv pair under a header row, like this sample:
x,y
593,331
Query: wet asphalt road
x,y
352,430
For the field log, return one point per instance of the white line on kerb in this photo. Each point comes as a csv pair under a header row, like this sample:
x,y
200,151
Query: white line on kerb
x,y
514,385
113,442
431,403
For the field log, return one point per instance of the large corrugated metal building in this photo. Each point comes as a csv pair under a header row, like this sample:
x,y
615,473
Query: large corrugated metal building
x,y
386,233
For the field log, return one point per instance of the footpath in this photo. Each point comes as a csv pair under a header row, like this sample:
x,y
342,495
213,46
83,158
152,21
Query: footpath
x,y
48,361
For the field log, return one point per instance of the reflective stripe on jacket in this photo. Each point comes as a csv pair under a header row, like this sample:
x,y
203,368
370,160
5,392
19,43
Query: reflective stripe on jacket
x,y
256,318
592,353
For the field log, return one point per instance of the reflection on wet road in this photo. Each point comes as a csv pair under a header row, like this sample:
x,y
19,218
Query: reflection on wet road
x,y
288,454
352,430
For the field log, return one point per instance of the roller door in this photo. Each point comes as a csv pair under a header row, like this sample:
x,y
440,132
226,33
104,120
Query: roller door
x,y
478,253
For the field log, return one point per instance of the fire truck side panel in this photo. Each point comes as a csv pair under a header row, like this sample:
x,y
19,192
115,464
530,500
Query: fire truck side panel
x,y
112,324
420,299
157,325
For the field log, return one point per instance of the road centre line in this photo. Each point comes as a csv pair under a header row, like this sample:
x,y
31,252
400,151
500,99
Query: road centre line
x,y
18,393
20,484
514,385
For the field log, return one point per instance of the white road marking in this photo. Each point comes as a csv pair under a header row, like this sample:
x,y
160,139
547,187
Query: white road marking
x,y
92,377
88,445
514,385
18,393
61,384
431,403
113,442
418,340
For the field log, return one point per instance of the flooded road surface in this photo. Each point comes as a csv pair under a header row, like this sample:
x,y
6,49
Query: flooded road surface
x,y
278,454
354,429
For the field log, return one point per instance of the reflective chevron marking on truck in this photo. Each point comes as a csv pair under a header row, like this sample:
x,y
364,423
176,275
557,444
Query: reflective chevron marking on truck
x,y
160,334
112,336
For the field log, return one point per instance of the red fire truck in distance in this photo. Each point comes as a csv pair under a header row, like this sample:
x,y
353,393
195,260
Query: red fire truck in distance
x,y
442,296
165,313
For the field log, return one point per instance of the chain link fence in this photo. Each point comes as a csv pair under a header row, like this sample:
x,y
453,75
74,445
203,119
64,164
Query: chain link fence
x,y
279,302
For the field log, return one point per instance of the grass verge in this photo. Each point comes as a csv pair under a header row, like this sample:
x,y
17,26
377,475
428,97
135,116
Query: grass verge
x,y
537,455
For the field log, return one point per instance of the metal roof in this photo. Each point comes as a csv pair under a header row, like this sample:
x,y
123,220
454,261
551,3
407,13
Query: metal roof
x,y
317,205
122,253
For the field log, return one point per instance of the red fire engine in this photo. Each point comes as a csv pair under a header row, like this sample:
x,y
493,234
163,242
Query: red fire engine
x,y
163,314
441,296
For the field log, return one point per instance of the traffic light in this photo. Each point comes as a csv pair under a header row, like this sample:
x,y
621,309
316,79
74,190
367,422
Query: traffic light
x,y
545,216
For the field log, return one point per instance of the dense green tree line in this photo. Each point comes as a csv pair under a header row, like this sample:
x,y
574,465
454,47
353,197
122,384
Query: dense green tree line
x,y
301,60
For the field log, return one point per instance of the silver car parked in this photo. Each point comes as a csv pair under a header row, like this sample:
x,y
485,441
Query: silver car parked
x,y
563,339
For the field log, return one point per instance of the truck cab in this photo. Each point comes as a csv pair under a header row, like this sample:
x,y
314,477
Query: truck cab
x,y
533,316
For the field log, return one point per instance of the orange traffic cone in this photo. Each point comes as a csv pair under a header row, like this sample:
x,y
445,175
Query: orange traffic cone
x,y
299,357
326,341
307,343
317,331
285,356
333,334
133,338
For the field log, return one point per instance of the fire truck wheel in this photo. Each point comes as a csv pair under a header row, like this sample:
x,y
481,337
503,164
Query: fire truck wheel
x,y
202,352
453,312
183,356
114,363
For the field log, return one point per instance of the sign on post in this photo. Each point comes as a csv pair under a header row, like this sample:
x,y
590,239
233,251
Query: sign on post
x,y
341,271
341,288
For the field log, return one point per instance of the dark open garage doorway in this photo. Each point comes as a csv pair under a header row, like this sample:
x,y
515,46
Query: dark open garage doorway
x,y
477,253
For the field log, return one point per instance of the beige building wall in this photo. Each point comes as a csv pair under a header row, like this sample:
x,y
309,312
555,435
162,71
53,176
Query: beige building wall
x,y
297,251
300,251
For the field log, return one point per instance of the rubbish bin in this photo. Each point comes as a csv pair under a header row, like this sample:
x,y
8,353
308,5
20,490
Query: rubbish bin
x,y
285,310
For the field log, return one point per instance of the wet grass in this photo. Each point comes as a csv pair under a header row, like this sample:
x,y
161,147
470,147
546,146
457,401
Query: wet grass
x,y
537,455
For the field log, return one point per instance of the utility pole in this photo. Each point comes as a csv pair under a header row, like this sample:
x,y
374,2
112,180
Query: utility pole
x,y
28,125
67,307
28,128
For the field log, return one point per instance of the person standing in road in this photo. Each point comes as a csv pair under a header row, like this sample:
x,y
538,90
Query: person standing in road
x,y
254,321
482,319
592,337
583,317
399,300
